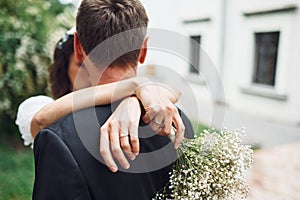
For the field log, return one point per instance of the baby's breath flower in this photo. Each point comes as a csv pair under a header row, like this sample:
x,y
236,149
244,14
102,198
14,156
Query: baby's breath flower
x,y
211,166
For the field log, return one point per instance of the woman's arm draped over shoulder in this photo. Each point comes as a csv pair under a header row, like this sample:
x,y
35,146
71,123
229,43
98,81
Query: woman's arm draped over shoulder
x,y
97,95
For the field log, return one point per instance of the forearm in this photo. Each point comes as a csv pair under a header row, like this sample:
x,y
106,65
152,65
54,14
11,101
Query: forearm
x,y
51,113
112,92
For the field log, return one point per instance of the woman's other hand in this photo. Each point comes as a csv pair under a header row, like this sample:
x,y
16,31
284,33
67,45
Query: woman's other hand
x,y
158,101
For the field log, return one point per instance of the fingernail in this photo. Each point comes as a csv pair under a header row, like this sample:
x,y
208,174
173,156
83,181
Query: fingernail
x,y
176,146
136,154
113,169
132,157
126,166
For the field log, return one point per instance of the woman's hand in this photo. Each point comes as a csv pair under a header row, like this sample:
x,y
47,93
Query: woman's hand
x,y
158,101
119,134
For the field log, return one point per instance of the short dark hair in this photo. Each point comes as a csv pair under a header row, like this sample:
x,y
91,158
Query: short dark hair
x,y
98,20
58,71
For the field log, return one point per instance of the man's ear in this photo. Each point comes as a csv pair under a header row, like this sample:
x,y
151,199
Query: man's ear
x,y
78,50
143,52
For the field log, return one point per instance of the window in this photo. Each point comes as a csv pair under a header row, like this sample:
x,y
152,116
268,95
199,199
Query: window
x,y
195,54
266,50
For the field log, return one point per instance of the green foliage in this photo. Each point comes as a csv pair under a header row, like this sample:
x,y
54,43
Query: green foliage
x,y
26,30
16,173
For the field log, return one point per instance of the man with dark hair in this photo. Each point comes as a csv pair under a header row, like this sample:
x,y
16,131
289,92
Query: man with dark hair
x,y
116,17
110,41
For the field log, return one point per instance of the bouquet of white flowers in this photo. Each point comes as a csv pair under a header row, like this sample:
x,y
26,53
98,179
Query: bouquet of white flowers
x,y
211,166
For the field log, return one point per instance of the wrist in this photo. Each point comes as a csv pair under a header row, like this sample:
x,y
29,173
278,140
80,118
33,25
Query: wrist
x,y
139,102
140,82
133,99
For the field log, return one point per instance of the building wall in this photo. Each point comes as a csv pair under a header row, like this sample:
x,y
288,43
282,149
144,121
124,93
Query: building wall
x,y
227,38
283,101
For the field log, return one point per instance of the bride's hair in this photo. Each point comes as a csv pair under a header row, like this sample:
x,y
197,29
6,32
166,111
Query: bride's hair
x,y
58,71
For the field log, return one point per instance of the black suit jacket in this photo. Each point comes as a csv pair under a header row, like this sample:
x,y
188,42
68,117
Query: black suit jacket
x,y
65,169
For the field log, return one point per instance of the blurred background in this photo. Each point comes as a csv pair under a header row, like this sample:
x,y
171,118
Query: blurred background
x,y
29,31
254,46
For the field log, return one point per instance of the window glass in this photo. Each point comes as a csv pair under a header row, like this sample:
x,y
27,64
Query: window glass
x,y
266,50
195,54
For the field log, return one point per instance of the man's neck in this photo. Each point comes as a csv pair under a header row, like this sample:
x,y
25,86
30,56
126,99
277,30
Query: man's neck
x,y
114,74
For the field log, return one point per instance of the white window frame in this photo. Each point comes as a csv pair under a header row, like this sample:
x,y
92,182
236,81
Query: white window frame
x,y
281,22
197,27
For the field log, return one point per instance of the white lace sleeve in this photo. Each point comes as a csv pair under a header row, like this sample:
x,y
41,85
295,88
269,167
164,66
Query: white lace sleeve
x,y
27,109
